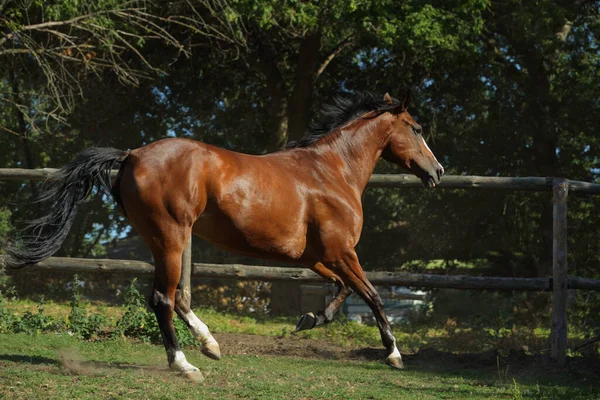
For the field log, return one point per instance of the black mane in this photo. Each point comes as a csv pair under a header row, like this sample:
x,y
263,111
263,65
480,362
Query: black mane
x,y
343,110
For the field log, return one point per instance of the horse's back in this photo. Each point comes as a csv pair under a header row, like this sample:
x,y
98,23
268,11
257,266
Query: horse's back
x,y
250,204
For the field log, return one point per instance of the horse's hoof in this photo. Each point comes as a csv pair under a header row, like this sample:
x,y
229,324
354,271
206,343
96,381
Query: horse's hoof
x,y
195,375
394,362
307,321
211,350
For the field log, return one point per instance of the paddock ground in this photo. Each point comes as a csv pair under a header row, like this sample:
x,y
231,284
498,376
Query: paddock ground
x,y
257,367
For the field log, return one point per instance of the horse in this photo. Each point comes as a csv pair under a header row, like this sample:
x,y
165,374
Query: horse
x,y
300,205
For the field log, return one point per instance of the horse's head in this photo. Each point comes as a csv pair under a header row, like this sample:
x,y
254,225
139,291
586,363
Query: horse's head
x,y
406,145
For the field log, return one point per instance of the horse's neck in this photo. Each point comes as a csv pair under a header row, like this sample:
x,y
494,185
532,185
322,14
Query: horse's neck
x,y
360,150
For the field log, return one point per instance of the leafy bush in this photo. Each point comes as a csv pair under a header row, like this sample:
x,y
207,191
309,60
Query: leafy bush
x,y
39,322
30,323
80,325
6,317
139,323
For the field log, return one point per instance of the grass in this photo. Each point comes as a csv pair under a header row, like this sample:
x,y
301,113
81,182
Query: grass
x,y
339,332
60,310
30,367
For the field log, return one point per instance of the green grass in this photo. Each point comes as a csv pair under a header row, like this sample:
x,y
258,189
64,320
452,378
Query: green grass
x,y
30,368
339,332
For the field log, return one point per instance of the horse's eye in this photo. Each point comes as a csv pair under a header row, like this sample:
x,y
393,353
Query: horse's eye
x,y
417,130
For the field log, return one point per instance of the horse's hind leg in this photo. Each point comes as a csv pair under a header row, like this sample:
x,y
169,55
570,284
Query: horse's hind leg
x,y
162,301
210,347
310,320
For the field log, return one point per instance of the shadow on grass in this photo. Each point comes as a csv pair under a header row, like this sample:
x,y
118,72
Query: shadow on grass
x,y
28,359
494,365
73,363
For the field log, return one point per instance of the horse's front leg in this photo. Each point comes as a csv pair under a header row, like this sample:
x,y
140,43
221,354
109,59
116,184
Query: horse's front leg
x,y
210,347
348,268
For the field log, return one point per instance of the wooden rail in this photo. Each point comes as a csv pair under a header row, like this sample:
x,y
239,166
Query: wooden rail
x,y
304,275
391,181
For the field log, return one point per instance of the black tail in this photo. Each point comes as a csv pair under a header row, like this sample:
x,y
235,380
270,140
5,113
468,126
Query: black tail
x,y
64,191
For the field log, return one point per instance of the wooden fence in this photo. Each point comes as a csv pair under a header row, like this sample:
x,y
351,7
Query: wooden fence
x,y
304,275
558,284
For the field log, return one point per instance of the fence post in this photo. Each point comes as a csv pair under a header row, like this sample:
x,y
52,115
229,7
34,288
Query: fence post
x,y
560,191
186,274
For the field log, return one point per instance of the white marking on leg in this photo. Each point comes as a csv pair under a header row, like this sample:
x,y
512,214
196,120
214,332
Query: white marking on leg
x,y
395,353
199,328
181,364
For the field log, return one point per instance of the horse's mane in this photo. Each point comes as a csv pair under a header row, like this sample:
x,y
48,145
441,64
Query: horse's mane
x,y
343,110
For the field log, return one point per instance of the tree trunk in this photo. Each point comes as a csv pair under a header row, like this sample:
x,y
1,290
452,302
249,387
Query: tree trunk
x,y
277,125
302,94
544,148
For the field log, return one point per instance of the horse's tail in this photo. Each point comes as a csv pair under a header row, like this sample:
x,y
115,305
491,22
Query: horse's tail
x,y
64,191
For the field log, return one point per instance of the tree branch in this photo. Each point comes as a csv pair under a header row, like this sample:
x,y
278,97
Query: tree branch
x,y
564,31
71,21
337,50
589,342
65,51
95,242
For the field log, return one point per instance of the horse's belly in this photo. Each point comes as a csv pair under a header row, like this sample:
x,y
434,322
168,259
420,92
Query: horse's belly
x,y
252,235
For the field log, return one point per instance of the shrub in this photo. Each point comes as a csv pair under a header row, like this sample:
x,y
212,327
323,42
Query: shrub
x,y
31,323
80,325
7,319
137,322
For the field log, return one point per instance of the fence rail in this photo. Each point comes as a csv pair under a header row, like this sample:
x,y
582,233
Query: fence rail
x,y
539,184
558,284
304,275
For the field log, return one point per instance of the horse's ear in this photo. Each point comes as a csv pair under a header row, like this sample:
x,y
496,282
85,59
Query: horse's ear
x,y
388,99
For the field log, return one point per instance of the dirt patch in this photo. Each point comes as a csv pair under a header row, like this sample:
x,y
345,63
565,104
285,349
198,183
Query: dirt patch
x,y
244,344
516,362
74,363
426,359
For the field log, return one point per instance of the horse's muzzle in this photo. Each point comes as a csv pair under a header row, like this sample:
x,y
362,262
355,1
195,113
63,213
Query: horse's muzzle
x,y
433,178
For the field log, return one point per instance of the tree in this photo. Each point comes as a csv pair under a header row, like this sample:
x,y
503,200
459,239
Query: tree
x,y
54,53
501,88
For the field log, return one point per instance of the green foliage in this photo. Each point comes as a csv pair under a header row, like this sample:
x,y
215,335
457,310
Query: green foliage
x,y
517,393
490,309
6,317
137,322
29,323
34,323
584,318
5,225
80,324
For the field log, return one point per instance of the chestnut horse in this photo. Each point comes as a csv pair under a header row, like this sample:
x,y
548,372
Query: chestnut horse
x,y
301,205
